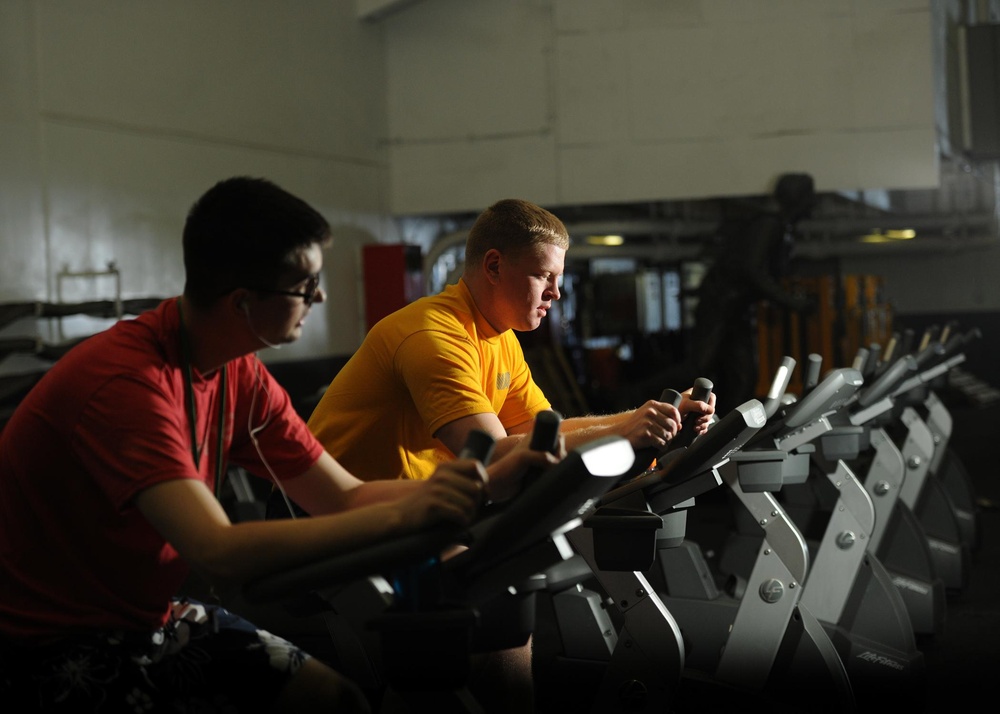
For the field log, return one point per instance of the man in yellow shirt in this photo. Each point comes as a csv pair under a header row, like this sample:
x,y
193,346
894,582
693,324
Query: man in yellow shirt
x,y
446,364
434,370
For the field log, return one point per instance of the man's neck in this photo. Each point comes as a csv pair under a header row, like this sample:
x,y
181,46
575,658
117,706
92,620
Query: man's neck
x,y
481,292
211,338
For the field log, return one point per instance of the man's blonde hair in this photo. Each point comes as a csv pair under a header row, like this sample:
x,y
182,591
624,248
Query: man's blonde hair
x,y
513,226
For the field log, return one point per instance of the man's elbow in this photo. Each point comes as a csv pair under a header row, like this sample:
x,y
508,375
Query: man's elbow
x,y
216,562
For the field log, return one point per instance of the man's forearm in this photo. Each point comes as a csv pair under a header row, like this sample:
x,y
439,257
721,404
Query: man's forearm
x,y
580,430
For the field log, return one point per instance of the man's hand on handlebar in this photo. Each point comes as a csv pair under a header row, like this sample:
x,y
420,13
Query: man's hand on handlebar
x,y
703,409
453,494
652,425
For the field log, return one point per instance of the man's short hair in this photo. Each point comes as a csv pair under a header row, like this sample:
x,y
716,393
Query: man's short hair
x,y
243,233
512,226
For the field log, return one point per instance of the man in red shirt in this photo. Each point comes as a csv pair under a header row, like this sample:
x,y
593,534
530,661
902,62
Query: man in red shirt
x,y
110,465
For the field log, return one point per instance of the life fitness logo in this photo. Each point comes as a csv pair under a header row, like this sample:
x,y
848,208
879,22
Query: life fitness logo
x,y
771,590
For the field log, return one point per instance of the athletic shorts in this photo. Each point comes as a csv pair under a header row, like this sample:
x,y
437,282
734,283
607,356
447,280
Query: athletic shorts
x,y
205,659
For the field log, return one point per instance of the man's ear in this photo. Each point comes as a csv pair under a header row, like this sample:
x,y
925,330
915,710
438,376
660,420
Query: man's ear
x,y
491,264
239,300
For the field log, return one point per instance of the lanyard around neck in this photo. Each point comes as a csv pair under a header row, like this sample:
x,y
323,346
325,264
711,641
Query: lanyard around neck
x,y
192,407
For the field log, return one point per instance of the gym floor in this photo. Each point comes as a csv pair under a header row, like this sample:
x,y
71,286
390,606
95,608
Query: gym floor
x,y
962,667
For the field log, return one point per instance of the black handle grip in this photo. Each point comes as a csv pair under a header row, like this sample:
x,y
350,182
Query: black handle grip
x,y
478,445
860,359
958,340
929,356
887,381
701,391
645,456
874,360
545,435
672,396
905,345
813,366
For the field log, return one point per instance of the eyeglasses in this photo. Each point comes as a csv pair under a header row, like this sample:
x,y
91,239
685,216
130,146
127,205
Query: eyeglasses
x,y
308,294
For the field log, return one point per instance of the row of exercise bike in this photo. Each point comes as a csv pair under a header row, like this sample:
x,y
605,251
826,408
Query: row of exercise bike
x,y
853,521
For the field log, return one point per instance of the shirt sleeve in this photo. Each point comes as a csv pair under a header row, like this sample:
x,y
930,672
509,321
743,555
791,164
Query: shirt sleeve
x,y
268,434
444,376
130,437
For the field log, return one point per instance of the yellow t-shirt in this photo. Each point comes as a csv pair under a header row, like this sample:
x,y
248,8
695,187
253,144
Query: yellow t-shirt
x,y
423,366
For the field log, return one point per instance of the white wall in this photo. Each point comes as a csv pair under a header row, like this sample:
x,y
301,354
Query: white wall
x,y
571,102
950,280
580,101
117,114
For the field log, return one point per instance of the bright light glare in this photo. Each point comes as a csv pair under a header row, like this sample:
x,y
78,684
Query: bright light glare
x,y
889,236
605,240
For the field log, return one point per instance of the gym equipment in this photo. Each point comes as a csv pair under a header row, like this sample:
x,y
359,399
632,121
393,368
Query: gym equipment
x,y
860,439
945,465
897,452
921,539
626,644
746,636
848,588
425,616
769,646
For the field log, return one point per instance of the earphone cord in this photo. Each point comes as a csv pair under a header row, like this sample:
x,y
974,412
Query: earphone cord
x,y
246,311
254,430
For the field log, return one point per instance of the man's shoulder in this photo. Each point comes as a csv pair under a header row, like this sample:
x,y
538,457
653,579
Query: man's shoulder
x,y
445,311
121,346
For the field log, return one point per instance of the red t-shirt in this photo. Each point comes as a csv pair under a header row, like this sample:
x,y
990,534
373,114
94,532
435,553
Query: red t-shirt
x,y
107,421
